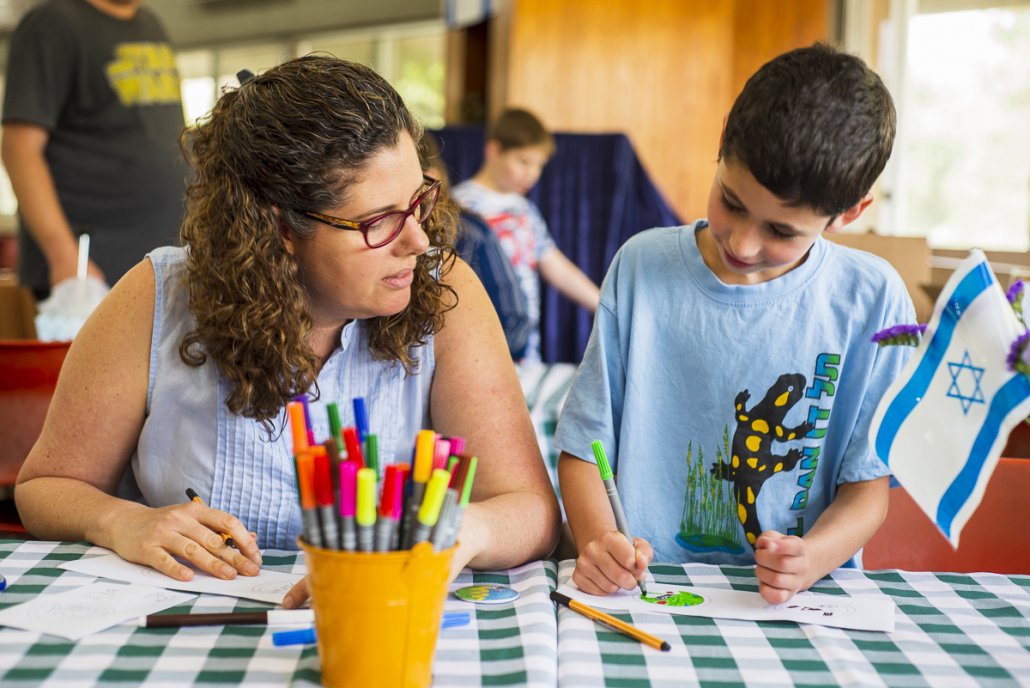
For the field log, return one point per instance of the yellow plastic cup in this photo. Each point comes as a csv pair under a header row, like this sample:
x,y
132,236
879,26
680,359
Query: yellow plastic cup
x,y
377,614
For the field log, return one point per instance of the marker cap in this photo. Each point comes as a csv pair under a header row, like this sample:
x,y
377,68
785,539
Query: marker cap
x,y
348,488
602,460
366,512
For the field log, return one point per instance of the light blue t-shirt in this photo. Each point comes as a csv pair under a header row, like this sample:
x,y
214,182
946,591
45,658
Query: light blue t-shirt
x,y
191,439
523,235
720,404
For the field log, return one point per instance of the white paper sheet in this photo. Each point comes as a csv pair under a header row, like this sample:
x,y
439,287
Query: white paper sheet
x,y
76,613
267,586
862,613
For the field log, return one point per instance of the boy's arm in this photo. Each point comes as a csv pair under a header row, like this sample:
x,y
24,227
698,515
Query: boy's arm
x,y
788,564
607,561
563,274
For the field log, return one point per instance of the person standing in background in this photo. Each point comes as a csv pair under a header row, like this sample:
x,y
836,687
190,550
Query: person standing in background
x,y
91,121
516,150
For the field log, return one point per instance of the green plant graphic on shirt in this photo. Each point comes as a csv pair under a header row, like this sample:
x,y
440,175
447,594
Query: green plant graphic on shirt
x,y
709,520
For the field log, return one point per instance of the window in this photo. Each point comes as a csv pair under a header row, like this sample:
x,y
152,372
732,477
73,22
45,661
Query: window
x,y
411,57
961,165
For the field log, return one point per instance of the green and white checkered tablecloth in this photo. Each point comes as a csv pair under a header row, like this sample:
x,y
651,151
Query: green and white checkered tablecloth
x,y
545,386
951,630
504,645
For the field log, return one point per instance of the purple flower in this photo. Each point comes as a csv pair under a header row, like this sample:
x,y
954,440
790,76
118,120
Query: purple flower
x,y
1018,359
900,334
1015,291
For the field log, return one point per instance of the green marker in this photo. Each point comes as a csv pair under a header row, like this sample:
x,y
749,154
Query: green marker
x,y
335,427
372,456
613,497
466,491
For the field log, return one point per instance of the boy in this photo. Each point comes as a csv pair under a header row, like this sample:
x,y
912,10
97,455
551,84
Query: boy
x,y
730,373
516,150
481,249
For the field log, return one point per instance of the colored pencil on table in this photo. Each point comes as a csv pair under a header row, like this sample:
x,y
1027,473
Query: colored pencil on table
x,y
611,622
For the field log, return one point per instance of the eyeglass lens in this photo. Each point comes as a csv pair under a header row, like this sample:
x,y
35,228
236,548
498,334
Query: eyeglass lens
x,y
391,224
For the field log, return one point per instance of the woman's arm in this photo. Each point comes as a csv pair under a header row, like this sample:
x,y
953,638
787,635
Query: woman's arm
x,y
513,516
65,487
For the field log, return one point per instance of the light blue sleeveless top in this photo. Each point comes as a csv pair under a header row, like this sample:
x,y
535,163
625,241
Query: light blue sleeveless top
x,y
191,439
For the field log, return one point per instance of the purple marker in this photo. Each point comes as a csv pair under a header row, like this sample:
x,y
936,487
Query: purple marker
x,y
303,399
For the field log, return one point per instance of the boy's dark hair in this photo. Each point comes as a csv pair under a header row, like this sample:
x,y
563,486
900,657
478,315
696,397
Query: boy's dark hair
x,y
815,126
518,128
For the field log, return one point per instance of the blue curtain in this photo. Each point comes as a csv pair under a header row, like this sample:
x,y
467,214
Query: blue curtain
x,y
594,194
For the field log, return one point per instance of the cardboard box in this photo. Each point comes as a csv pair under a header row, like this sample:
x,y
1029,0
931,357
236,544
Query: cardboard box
x,y
17,311
910,256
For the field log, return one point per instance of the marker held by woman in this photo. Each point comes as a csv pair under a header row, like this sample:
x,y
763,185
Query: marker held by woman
x,y
192,495
613,497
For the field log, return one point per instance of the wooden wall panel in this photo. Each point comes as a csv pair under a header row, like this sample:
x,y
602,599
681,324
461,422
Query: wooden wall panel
x,y
764,29
665,72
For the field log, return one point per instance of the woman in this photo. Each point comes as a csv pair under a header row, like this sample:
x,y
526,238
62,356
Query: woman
x,y
315,262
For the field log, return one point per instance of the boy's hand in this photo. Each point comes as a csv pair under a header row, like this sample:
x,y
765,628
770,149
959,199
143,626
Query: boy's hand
x,y
781,566
610,562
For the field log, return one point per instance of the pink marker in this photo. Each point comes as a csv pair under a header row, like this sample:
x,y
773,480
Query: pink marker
x,y
441,452
457,445
348,504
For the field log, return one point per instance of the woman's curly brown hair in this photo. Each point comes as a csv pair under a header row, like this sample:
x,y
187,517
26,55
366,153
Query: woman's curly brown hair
x,y
291,138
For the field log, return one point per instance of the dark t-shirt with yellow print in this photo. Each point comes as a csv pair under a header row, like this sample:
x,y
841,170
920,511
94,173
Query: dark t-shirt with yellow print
x,y
108,92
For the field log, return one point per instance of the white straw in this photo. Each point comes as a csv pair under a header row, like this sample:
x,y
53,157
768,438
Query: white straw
x,y
83,256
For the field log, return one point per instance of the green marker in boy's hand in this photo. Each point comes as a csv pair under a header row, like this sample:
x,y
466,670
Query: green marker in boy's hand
x,y
613,497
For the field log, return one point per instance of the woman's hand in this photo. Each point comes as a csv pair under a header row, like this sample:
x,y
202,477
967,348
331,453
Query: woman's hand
x,y
190,533
610,562
297,595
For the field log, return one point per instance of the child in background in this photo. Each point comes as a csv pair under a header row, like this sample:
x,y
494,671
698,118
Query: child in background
x,y
730,374
480,248
516,150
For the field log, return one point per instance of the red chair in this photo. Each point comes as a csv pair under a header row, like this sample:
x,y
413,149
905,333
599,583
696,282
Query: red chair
x,y
992,540
28,375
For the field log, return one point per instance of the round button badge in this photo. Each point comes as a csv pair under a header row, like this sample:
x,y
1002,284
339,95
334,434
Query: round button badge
x,y
487,594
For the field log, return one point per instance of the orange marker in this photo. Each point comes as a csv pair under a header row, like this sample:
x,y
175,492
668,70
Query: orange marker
x,y
298,427
308,503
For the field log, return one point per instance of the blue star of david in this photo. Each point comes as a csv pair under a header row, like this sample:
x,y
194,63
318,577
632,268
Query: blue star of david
x,y
959,374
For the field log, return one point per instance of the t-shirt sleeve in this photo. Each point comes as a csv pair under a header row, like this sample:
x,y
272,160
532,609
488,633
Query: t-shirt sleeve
x,y
544,240
860,461
593,407
40,71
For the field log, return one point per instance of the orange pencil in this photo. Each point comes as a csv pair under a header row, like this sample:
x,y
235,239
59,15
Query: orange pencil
x,y
611,622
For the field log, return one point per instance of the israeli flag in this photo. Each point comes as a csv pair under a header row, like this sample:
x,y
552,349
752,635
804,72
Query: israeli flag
x,y
942,424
